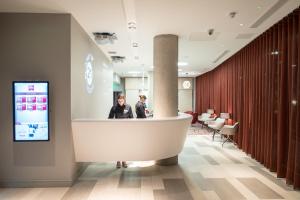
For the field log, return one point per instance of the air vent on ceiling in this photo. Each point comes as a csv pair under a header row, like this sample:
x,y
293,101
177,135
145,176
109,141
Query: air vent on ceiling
x,y
117,59
112,52
221,56
245,36
105,37
204,36
232,14
269,13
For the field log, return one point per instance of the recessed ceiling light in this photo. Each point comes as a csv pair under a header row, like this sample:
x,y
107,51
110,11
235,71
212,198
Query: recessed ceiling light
x,y
133,72
181,64
241,24
132,26
258,7
135,44
179,70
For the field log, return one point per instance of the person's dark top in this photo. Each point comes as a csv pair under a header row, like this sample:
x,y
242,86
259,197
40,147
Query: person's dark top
x,y
120,112
140,110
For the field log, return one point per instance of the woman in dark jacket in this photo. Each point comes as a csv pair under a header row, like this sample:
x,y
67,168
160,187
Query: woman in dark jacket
x,y
121,111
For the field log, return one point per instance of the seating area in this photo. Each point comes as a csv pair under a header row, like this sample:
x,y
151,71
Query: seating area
x,y
214,124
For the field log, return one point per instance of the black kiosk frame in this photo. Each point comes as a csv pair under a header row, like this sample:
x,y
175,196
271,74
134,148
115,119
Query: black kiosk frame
x,y
16,107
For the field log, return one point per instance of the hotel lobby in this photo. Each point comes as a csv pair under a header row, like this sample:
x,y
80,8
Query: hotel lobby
x,y
149,99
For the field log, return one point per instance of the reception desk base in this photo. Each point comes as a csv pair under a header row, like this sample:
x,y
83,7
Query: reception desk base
x,y
168,161
129,139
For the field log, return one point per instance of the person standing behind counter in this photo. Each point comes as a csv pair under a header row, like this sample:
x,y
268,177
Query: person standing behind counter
x,y
140,107
121,111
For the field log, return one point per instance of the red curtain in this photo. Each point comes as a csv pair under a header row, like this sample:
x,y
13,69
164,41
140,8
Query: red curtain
x,y
260,87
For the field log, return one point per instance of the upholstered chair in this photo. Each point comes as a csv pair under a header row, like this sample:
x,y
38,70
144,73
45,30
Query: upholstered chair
x,y
216,125
229,130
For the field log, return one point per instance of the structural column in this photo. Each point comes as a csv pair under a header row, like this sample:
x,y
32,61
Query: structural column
x,y
165,81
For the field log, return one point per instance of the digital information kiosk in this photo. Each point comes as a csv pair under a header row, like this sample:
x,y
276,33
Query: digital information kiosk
x,y
31,110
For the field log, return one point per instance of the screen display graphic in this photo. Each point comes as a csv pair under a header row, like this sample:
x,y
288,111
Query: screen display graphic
x,y
31,110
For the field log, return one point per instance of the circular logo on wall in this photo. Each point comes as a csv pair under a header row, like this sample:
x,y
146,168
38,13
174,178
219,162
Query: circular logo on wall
x,y
186,84
89,73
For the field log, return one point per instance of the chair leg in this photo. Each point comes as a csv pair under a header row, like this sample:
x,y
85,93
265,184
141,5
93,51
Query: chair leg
x,y
225,141
214,135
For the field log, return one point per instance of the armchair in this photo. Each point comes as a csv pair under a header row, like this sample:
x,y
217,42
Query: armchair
x,y
216,126
204,118
229,130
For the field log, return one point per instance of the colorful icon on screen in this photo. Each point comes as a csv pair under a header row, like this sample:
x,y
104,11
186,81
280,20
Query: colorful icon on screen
x,y
21,107
31,107
30,87
21,99
42,107
31,99
42,99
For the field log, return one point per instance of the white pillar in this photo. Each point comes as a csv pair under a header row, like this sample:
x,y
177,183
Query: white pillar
x,y
165,77
165,81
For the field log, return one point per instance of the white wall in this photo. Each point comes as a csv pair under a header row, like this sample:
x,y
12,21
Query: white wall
x,y
185,95
96,104
133,87
50,47
36,47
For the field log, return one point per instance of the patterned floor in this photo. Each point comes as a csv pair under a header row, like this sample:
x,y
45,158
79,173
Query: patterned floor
x,y
205,171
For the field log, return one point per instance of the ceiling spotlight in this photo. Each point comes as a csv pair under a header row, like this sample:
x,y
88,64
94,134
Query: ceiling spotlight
x,y
105,37
132,26
133,72
232,14
241,24
112,52
211,31
135,44
118,59
181,64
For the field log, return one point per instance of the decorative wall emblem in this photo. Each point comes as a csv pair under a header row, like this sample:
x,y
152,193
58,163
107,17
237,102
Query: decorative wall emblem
x,y
186,84
89,73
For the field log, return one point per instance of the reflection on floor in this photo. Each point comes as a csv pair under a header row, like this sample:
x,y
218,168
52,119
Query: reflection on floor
x,y
205,171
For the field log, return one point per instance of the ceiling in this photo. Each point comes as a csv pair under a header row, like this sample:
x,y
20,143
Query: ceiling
x,y
189,19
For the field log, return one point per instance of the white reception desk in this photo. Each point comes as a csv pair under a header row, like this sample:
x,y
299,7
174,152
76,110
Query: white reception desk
x,y
129,139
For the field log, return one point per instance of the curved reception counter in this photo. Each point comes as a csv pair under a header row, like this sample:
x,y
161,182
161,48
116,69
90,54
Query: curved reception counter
x,y
129,139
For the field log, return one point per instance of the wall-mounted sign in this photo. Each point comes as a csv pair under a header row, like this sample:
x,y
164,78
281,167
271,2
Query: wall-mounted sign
x,y
186,84
31,110
89,73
